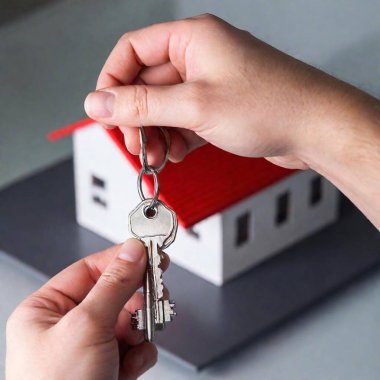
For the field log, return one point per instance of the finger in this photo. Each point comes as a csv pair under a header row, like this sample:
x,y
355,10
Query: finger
x,y
117,284
165,261
124,330
288,162
177,151
144,47
155,146
132,140
138,360
125,333
69,287
182,105
164,74
182,143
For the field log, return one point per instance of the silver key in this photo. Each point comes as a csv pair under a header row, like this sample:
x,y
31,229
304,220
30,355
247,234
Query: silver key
x,y
157,228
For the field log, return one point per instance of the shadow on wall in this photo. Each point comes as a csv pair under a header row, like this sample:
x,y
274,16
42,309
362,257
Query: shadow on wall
x,y
12,9
359,64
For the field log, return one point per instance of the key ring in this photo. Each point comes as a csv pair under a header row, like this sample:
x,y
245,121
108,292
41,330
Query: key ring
x,y
156,187
151,170
143,155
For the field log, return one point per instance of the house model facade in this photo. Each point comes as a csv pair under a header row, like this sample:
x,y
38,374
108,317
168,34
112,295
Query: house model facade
x,y
233,212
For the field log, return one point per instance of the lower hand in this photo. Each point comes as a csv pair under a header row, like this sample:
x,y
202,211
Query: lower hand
x,y
77,326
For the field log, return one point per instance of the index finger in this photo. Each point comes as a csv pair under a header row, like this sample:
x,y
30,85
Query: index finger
x,y
149,46
68,288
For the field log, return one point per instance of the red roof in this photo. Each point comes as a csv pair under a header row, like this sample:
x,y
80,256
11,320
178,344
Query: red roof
x,y
206,182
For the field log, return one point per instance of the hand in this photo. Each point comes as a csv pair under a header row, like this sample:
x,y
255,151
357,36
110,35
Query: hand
x,y
77,326
210,82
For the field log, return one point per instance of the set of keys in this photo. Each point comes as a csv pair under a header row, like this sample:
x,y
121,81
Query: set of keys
x,y
155,224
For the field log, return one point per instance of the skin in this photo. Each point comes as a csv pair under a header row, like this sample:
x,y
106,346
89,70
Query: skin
x,y
77,326
207,82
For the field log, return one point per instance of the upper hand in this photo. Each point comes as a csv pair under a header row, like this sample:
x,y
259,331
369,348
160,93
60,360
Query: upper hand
x,y
210,82
207,81
77,326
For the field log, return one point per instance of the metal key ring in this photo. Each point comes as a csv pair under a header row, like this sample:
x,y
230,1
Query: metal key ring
x,y
143,155
156,186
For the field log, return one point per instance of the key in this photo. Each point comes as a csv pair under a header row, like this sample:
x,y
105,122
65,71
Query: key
x,y
156,228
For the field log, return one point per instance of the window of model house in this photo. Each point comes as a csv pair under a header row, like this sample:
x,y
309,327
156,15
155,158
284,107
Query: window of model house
x,y
242,229
315,191
98,186
193,233
282,208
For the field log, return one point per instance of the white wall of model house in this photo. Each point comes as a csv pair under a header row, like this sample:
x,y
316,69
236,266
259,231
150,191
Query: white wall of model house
x,y
221,246
275,218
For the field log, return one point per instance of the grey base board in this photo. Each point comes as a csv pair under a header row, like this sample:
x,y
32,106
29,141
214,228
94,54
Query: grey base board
x,y
37,224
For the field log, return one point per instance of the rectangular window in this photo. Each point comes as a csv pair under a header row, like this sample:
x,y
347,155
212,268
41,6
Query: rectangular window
x,y
282,208
98,186
242,229
315,191
193,233
96,199
98,182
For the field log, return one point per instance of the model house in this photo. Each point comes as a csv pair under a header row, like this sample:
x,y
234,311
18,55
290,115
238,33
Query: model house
x,y
233,212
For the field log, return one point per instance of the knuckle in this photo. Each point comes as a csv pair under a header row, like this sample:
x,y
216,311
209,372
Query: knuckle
x,y
124,38
18,320
116,276
198,102
24,313
139,103
83,320
210,21
12,322
201,20
207,16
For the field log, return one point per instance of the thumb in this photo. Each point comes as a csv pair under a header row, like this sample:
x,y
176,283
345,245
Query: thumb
x,y
179,105
122,277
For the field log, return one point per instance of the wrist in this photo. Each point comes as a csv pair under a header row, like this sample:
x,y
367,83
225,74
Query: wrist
x,y
345,148
343,129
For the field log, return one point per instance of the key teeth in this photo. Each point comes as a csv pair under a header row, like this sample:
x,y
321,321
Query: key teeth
x,y
160,286
170,313
173,312
137,320
159,280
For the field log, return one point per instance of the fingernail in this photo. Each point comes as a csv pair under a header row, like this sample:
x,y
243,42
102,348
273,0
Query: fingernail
x,y
132,250
99,104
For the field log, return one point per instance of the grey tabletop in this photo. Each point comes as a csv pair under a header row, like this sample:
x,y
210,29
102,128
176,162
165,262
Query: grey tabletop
x,y
338,339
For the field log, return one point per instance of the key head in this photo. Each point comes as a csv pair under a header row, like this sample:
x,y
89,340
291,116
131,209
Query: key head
x,y
159,223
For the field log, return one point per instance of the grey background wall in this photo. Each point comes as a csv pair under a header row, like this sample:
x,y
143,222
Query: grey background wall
x,y
339,36
50,59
